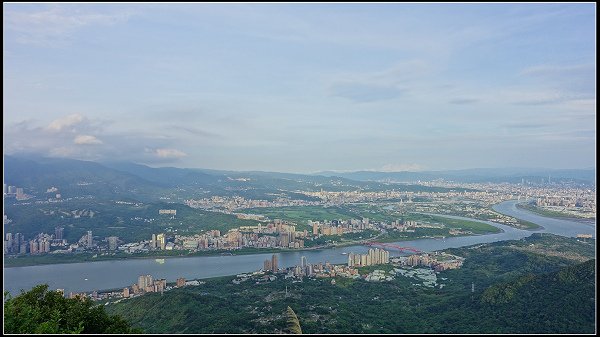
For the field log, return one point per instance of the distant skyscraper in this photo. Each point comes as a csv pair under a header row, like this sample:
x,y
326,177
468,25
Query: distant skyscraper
x,y
303,263
274,263
161,241
58,233
89,239
112,242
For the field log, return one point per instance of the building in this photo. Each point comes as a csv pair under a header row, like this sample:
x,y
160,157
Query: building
x,y
126,292
303,262
89,239
112,242
274,263
180,282
161,241
267,265
315,228
167,211
144,281
58,233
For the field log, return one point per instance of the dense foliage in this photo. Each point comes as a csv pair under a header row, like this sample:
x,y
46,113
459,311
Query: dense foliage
x,y
43,311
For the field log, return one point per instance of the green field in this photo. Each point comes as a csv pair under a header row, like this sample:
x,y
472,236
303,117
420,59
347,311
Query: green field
x,y
301,214
549,213
473,226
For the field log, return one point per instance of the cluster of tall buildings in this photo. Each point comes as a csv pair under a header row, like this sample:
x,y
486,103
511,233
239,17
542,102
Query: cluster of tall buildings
x,y
16,191
373,257
338,227
15,244
272,264
158,241
87,240
146,284
438,262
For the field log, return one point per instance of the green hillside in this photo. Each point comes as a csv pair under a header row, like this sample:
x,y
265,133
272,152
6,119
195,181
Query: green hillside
x,y
516,291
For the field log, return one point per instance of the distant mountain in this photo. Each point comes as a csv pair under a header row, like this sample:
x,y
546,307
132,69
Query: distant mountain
x,y
73,177
512,175
143,182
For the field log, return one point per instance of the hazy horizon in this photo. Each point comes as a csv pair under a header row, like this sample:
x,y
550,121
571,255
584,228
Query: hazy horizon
x,y
303,88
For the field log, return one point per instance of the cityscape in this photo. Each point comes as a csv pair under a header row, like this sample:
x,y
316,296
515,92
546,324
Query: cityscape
x,y
299,168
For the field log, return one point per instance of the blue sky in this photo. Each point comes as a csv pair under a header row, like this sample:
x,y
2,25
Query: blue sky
x,y
303,87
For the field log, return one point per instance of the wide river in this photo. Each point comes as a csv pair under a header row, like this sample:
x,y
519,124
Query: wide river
x,y
88,276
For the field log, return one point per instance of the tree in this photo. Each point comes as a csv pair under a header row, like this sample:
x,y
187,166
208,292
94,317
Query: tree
x,y
43,311
293,322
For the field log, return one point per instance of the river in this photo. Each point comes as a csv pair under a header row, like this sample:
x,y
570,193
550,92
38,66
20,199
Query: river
x,y
88,276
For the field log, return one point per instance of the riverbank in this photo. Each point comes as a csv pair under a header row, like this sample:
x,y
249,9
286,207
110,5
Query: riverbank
x,y
553,214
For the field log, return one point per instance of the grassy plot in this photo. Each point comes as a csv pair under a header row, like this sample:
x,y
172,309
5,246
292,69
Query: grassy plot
x,y
473,226
301,214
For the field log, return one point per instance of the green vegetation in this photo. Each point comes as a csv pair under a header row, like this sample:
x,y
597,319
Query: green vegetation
x,y
301,214
549,213
516,291
40,311
473,226
107,218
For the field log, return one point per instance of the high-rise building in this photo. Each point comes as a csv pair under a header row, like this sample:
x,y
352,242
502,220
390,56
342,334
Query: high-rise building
x,y
144,281
161,242
303,263
274,263
180,282
12,190
33,247
58,233
126,292
284,240
267,265
112,242
89,239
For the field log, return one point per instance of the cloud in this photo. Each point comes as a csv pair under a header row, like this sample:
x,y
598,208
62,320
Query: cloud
x,y
379,85
169,153
86,140
65,122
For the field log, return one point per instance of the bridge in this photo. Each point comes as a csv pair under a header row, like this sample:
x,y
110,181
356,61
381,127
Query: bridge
x,y
392,246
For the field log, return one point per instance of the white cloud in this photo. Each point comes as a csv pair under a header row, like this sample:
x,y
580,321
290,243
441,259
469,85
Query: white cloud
x,y
65,122
169,153
86,140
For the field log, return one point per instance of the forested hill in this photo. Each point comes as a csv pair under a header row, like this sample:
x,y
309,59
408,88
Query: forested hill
x,y
534,285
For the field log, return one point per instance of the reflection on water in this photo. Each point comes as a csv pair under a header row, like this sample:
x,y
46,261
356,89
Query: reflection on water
x,y
120,273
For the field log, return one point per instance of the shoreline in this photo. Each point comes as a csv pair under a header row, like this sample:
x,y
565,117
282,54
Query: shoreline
x,y
555,214
29,261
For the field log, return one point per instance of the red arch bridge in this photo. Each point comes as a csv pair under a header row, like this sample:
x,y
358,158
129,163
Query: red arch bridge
x,y
392,246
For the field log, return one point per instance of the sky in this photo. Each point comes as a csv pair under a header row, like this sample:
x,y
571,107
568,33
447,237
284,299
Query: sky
x,y
303,87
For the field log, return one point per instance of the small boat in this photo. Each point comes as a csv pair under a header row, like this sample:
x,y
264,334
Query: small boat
x,y
85,279
344,253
